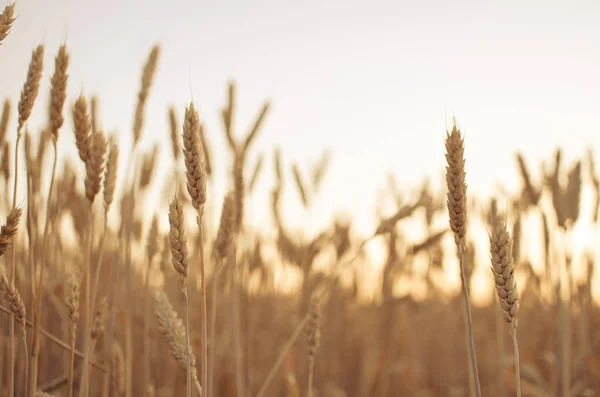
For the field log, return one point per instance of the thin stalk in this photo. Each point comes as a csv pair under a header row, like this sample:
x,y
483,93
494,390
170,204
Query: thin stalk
x,y
111,321
13,276
500,353
92,307
40,290
99,264
311,371
131,172
204,316
71,368
31,236
235,311
213,330
87,318
187,341
469,321
147,310
513,336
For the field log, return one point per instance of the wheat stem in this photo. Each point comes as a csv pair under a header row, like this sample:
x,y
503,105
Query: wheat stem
x,y
513,335
13,276
40,289
204,316
469,321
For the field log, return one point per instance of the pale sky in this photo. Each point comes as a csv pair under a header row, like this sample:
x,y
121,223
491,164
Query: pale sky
x,y
377,82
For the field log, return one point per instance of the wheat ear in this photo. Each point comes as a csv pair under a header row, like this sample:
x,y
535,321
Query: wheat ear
x,y
457,210
82,128
196,186
147,77
503,270
6,20
175,333
58,90
31,86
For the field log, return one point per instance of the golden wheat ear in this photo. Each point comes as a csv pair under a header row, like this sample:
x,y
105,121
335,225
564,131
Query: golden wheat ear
x,y
194,158
58,90
31,86
503,269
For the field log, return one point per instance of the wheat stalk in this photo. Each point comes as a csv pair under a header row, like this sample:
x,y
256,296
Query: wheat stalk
x,y
8,288
506,286
457,211
94,168
151,251
26,102
179,254
57,98
196,186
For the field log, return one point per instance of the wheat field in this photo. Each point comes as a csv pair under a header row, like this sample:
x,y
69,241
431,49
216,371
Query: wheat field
x,y
102,296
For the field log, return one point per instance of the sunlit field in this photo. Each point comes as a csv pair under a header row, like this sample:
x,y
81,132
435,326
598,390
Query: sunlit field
x,y
126,273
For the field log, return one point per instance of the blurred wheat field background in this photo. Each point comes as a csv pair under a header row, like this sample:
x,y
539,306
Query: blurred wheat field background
x,y
183,252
